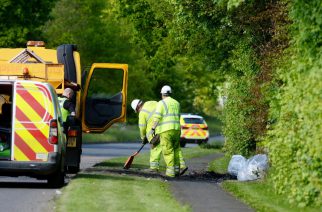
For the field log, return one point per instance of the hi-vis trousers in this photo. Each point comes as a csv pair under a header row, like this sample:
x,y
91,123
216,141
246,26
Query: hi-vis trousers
x,y
170,144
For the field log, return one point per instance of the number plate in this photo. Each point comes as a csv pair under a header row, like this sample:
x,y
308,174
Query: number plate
x,y
71,142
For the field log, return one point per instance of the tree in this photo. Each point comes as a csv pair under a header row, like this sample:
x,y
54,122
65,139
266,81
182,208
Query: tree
x,y
21,21
101,35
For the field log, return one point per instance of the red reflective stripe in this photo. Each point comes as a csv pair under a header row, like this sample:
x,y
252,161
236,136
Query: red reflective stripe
x,y
32,102
46,91
20,143
37,134
43,89
197,132
193,133
185,133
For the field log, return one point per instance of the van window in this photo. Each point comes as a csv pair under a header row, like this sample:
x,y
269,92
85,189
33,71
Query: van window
x,y
104,98
193,120
105,85
5,105
5,120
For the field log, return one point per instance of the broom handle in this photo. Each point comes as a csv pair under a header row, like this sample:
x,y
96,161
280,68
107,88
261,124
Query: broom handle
x,y
139,150
141,147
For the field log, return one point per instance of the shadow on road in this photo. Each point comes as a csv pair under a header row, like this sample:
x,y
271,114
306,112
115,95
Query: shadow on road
x,y
31,183
40,185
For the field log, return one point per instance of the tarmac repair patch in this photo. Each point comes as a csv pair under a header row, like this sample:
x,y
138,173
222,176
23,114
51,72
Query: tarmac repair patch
x,y
190,176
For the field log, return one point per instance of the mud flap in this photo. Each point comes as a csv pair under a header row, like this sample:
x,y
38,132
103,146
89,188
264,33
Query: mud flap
x,y
73,148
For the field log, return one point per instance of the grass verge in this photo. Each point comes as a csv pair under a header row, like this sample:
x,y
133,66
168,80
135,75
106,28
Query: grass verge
x,y
220,165
259,195
116,133
113,192
97,192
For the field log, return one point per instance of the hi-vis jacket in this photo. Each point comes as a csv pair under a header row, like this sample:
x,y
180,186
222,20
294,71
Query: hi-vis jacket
x,y
167,114
64,112
146,119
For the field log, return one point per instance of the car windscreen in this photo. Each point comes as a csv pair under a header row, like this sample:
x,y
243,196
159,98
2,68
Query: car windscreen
x,y
193,120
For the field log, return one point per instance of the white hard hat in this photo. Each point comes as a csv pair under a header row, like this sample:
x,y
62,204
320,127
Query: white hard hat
x,y
166,90
135,103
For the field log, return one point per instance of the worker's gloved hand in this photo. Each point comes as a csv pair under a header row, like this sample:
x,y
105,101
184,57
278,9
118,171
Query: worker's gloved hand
x,y
145,140
153,132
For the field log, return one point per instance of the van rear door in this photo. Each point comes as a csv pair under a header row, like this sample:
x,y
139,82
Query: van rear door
x,y
104,96
33,109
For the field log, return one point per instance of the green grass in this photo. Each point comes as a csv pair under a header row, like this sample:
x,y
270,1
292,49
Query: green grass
x,y
112,192
116,133
220,165
260,195
96,192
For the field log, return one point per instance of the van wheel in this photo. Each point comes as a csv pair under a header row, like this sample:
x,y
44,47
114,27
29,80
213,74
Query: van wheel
x,y
182,143
57,179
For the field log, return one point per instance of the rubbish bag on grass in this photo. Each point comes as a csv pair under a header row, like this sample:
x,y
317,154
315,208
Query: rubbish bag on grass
x,y
236,163
255,168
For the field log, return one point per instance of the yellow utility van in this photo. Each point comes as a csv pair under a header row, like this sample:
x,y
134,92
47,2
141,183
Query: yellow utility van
x,y
31,131
41,73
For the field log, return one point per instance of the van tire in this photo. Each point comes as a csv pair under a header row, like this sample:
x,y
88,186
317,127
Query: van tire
x,y
57,179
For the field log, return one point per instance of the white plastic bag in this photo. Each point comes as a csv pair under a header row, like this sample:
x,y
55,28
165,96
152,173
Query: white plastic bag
x,y
255,168
236,163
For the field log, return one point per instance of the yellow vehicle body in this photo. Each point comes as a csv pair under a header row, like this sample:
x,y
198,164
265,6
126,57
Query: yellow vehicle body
x,y
99,102
40,64
51,73
46,70
194,129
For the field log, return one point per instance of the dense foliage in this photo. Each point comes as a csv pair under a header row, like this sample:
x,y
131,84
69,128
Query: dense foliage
x,y
171,55
101,35
263,55
295,142
21,21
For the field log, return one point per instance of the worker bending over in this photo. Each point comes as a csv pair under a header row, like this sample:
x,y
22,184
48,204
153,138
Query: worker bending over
x,y
146,110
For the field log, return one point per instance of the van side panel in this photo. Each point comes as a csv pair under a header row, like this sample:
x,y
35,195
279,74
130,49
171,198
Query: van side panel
x,y
33,111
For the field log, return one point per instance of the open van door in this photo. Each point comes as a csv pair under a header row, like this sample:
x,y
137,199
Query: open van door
x,y
104,96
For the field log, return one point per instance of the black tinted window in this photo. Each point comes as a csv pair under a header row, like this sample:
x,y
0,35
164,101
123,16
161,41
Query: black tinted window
x,y
193,120
105,83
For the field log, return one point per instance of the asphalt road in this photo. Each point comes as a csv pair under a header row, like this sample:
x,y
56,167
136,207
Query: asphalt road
x,y
32,195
